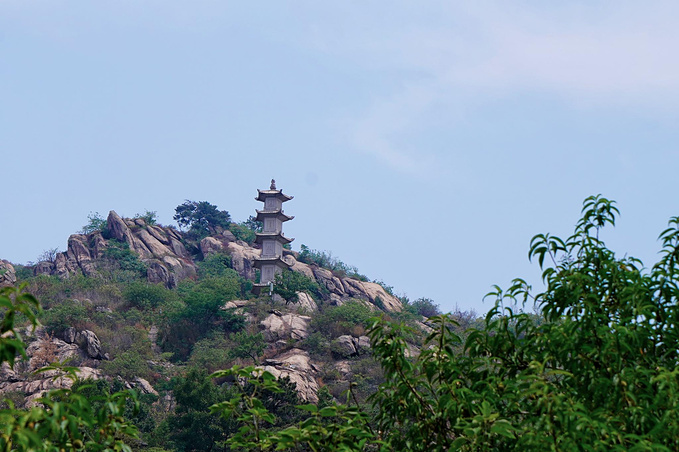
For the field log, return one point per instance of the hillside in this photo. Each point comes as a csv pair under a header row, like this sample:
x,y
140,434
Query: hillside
x,y
143,304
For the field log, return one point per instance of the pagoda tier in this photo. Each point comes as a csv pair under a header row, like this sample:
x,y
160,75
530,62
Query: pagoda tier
x,y
277,236
278,214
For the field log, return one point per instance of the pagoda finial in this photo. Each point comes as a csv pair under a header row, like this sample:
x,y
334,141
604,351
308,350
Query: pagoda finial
x,y
273,184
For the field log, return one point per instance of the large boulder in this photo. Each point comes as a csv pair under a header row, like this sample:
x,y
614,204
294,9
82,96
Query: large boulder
x,y
44,268
347,345
299,267
118,228
242,258
295,364
36,388
305,303
47,350
155,246
89,342
78,251
329,281
372,292
8,275
145,386
210,245
285,326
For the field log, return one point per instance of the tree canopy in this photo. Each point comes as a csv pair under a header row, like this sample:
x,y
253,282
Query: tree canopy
x,y
202,218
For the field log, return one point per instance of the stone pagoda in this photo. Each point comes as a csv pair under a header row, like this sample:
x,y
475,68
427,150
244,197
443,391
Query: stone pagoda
x,y
271,262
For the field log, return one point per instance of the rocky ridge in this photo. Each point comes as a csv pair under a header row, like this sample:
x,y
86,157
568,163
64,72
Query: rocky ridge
x,y
168,260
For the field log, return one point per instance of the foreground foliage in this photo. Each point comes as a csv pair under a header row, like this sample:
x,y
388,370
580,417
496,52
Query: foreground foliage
x,y
596,370
64,419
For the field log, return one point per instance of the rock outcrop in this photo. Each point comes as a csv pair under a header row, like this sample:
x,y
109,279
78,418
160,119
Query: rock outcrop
x,y
348,346
279,326
160,248
296,365
89,342
342,288
8,275
81,347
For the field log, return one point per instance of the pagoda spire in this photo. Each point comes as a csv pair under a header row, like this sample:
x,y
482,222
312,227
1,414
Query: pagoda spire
x,y
270,262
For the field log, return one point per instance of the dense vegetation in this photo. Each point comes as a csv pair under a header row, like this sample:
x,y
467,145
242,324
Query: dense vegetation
x,y
593,369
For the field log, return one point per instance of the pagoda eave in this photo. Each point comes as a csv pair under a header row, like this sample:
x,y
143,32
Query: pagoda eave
x,y
277,261
263,194
261,214
278,236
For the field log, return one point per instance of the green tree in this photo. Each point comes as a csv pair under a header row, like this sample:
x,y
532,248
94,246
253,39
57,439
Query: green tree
x,y
202,218
202,312
248,346
192,426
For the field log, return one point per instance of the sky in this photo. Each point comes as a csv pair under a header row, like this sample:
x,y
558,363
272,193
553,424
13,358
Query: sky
x,y
424,142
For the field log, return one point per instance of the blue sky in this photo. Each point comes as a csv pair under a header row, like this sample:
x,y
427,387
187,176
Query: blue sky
x,y
424,142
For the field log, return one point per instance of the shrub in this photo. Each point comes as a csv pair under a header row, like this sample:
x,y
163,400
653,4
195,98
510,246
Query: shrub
x,y
23,272
242,232
127,365
149,217
288,283
49,255
350,318
214,265
147,296
95,223
424,307
67,314
211,353
123,258
247,345
326,260
317,345
202,312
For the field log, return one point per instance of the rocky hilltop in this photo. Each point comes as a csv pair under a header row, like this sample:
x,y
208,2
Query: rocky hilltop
x,y
168,258
168,261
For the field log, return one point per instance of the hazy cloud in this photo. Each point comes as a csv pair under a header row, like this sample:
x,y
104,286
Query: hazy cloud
x,y
599,54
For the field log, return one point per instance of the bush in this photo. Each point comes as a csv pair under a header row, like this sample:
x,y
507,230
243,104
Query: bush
x,y
211,353
95,223
119,254
143,295
203,312
64,315
350,318
127,365
288,283
326,260
149,217
242,232
424,307
214,265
